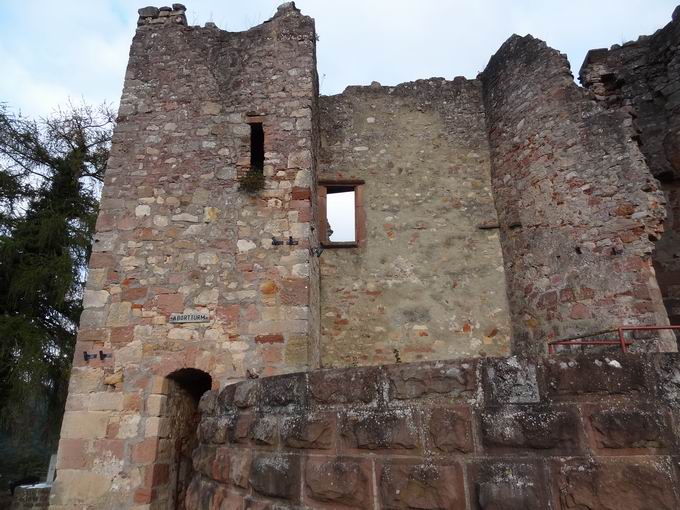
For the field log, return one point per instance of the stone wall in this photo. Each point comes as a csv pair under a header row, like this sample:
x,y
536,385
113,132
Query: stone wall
x,y
559,433
31,498
644,77
578,211
578,208
175,234
428,278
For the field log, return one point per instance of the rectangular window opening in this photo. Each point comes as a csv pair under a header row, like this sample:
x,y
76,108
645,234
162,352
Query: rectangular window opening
x,y
256,146
342,216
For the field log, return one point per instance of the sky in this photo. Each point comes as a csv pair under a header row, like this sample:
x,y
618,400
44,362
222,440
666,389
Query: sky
x,y
52,52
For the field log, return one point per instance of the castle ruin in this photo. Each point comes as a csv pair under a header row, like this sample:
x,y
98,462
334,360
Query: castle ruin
x,y
407,367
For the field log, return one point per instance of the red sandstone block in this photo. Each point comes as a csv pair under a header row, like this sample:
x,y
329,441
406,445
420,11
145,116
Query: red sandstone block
x,y
242,427
110,447
271,355
630,483
169,303
269,339
448,380
409,484
73,454
145,234
105,222
144,452
276,475
132,402
229,314
300,205
251,313
614,430
221,466
510,484
349,386
589,377
122,335
156,474
579,311
567,295
586,293
299,193
234,501
449,430
305,216
548,429
334,481
144,495
127,223
311,431
240,460
112,429
101,260
294,291
134,293
93,334
380,430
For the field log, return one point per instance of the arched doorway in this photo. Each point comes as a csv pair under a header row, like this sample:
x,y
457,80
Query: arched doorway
x,y
173,467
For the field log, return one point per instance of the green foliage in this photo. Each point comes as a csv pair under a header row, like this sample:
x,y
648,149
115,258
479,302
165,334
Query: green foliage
x,y
50,177
252,181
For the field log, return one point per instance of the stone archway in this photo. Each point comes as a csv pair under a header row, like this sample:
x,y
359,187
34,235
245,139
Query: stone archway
x,y
179,418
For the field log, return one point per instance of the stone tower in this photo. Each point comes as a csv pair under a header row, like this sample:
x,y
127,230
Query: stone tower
x,y
193,281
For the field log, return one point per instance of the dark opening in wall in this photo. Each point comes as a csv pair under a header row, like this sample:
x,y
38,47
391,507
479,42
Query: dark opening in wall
x,y
256,146
195,382
179,415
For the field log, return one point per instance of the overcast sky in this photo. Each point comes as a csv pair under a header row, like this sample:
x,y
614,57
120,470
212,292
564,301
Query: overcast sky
x,y
51,51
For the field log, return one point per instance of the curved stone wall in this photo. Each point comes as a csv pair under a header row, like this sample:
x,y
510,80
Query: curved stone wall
x,y
577,205
557,433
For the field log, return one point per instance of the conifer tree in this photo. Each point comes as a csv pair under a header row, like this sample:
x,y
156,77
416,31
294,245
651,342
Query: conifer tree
x,y
50,177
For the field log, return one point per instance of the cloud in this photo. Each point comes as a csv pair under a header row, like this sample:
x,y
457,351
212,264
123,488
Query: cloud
x,y
52,51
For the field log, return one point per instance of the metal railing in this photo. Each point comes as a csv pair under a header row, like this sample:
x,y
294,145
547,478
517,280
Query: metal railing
x,y
620,339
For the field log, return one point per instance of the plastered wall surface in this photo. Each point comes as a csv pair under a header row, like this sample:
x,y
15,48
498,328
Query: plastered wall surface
x,y
428,280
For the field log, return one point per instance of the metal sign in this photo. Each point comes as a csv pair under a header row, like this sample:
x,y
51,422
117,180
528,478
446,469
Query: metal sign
x,y
180,318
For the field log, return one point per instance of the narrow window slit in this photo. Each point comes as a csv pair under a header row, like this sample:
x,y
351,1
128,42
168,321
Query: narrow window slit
x,y
256,146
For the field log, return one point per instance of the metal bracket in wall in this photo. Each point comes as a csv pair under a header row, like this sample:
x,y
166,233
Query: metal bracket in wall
x,y
104,355
88,357
291,242
276,242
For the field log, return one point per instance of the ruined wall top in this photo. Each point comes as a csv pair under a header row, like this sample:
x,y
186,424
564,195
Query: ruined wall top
x,y
156,15
176,14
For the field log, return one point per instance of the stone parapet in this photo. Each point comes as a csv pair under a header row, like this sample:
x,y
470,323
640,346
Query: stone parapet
x,y
31,498
552,433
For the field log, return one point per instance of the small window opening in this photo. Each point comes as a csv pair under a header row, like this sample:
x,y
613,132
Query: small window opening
x,y
342,217
256,146
340,214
